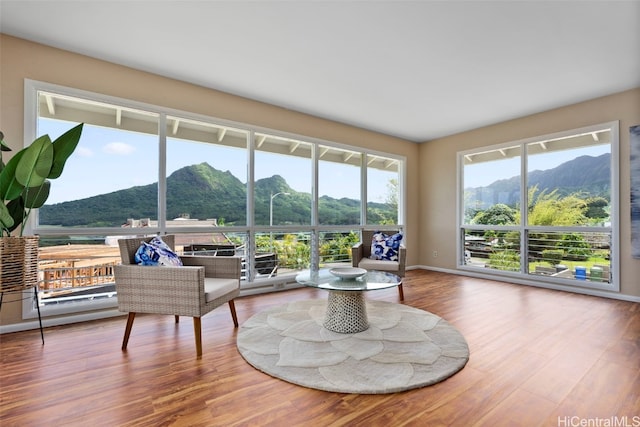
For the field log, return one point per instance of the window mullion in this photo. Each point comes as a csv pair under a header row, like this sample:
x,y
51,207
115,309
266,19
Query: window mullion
x,y
363,189
524,210
162,173
251,238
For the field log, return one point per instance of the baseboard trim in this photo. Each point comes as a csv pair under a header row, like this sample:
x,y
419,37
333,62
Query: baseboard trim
x,y
62,320
103,314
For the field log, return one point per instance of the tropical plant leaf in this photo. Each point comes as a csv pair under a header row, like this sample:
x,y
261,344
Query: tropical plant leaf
x,y
24,183
35,197
16,209
3,145
36,162
63,147
10,189
6,220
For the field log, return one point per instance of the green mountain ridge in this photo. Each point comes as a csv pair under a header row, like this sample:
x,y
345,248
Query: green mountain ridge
x,y
587,175
202,192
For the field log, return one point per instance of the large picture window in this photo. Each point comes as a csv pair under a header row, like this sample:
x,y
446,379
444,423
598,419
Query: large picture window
x,y
278,201
544,208
383,190
206,174
282,190
339,186
114,172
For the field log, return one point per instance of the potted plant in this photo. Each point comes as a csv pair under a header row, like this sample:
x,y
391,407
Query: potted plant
x,y
25,179
24,186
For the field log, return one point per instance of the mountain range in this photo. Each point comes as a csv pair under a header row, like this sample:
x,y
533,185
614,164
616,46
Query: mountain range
x,y
202,192
587,175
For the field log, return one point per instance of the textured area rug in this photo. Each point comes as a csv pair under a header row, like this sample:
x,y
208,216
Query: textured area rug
x,y
404,348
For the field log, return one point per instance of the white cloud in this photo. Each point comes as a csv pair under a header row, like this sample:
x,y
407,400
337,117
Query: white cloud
x,y
118,148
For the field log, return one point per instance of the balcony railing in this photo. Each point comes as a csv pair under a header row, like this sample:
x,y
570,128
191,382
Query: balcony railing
x,y
70,271
577,255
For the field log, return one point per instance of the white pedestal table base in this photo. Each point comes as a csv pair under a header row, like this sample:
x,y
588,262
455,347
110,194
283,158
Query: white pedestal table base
x,y
346,312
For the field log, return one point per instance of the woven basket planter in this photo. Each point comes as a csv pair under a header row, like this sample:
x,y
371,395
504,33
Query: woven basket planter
x,y
18,263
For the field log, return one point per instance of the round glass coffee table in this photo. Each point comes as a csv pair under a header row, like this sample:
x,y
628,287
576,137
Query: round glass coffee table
x,y
346,309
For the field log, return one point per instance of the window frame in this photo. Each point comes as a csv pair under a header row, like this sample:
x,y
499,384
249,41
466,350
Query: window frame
x,y
31,116
524,228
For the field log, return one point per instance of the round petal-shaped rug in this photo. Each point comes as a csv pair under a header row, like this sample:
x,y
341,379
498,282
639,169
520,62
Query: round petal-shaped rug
x,y
404,348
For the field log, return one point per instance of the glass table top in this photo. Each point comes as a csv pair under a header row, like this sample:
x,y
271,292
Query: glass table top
x,y
372,280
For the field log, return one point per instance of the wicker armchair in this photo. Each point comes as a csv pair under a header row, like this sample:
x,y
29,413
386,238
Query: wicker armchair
x,y
361,252
202,284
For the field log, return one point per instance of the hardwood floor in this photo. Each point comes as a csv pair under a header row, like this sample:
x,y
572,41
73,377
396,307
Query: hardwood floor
x,y
538,358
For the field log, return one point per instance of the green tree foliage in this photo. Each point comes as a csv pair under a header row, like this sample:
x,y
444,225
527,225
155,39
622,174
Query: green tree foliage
x,y
498,214
392,193
506,260
574,247
551,209
293,251
338,248
552,256
512,238
597,209
546,209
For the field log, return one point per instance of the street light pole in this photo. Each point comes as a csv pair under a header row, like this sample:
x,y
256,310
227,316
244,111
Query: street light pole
x,y
273,196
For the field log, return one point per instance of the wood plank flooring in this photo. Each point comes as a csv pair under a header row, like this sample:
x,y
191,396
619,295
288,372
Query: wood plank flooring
x,y
538,358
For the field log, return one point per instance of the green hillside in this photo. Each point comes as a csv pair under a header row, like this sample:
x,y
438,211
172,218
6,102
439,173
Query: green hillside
x,y
590,176
203,192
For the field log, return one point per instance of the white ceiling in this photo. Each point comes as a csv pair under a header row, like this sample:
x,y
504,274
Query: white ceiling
x,y
418,70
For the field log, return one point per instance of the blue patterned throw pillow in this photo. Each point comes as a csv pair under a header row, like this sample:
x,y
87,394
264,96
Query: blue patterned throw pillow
x,y
156,252
385,247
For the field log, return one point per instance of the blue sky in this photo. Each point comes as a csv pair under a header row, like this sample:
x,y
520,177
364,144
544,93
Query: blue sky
x,y
109,160
488,172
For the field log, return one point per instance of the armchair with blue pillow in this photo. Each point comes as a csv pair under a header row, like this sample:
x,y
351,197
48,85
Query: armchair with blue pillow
x,y
154,279
381,251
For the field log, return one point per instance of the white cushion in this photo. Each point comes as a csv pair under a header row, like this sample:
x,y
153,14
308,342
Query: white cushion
x,y
373,264
215,288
